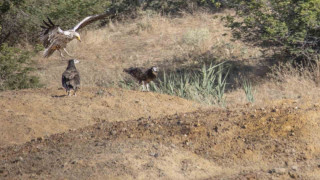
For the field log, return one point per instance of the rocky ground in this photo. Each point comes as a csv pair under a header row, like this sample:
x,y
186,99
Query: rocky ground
x,y
181,141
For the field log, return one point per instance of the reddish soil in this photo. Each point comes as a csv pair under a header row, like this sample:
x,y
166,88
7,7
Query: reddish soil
x,y
278,141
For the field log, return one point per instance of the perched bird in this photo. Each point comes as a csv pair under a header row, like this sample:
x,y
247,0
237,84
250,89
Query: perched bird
x,y
143,76
54,38
71,77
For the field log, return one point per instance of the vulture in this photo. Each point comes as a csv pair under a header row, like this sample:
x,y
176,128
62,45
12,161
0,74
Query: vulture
x,y
143,76
71,77
54,38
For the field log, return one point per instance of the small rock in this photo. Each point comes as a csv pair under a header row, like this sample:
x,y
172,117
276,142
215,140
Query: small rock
x,y
295,168
113,132
243,126
154,154
188,143
293,174
278,171
131,136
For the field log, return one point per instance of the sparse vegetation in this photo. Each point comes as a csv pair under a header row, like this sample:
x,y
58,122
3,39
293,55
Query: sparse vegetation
x,y
111,130
248,90
205,85
195,37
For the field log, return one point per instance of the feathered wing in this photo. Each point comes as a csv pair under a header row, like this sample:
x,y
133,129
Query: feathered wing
x,y
88,20
48,32
57,41
52,37
135,72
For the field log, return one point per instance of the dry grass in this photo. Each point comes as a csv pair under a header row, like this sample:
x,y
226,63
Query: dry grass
x,y
282,82
172,43
149,40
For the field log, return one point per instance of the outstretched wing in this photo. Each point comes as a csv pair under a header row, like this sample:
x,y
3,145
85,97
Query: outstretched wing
x,y
49,32
89,20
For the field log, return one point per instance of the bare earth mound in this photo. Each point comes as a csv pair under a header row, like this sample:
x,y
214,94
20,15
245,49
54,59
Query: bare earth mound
x,y
279,141
29,114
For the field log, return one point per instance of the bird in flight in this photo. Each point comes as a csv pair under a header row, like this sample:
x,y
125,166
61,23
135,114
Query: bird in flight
x,y
143,76
54,38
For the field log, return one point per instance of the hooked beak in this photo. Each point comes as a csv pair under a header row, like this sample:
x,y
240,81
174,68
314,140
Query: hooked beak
x,y
79,38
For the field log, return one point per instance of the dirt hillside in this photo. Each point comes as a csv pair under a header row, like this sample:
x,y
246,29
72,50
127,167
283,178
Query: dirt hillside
x,y
29,114
278,141
111,133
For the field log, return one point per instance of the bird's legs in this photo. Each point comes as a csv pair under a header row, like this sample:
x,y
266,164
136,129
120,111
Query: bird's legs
x,y
61,54
67,52
143,86
75,92
68,91
148,87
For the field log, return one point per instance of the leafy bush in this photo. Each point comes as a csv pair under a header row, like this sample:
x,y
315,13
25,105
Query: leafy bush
x,y
15,69
290,25
175,6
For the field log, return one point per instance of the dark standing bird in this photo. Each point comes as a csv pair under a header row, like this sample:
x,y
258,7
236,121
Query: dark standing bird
x,y
71,77
143,76
54,38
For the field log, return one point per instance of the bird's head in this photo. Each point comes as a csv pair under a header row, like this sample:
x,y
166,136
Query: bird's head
x,y
154,69
76,61
77,35
72,62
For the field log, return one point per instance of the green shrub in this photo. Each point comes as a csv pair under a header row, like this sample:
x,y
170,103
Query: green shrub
x,y
15,69
205,85
290,25
248,90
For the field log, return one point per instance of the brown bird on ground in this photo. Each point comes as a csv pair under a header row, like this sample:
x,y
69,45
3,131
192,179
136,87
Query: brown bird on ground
x,y
71,77
143,76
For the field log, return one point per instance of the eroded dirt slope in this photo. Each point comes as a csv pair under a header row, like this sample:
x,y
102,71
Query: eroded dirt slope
x,y
29,114
278,141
